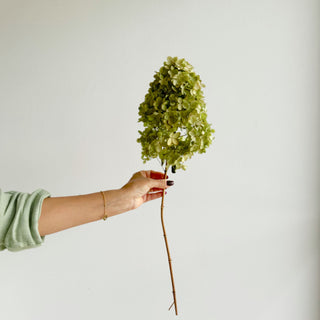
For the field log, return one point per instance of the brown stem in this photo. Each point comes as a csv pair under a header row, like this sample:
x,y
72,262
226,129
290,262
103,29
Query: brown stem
x,y
165,238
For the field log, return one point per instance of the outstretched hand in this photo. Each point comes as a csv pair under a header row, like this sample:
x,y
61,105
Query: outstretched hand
x,y
145,186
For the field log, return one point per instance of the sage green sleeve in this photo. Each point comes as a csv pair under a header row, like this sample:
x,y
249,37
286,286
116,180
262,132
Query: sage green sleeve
x,y
19,216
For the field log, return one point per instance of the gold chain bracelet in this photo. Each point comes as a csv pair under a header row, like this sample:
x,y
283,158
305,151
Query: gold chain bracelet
x,y
104,203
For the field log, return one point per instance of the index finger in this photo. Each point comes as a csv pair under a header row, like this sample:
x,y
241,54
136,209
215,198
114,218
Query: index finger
x,y
156,175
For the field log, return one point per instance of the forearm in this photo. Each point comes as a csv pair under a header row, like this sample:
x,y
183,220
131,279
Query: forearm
x,y
60,213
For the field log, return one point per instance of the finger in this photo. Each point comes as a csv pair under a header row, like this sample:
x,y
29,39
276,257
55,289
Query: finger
x,y
157,175
143,173
153,196
160,183
155,189
154,174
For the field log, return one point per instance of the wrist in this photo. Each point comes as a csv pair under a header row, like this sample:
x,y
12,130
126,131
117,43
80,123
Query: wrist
x,y
117,202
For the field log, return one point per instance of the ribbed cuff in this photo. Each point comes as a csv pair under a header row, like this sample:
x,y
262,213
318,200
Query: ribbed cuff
x,y
23,232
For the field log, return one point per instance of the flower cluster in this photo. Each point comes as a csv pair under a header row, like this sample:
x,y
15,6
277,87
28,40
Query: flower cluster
x,y
174,116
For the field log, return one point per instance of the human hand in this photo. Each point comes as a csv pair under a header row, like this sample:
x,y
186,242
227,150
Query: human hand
x,y
60,213
144,186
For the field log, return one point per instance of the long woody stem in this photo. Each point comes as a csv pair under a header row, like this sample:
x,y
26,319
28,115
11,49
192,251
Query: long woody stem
x,y
169,258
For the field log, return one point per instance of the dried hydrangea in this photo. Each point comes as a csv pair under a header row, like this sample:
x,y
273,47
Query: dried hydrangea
x,y
174,116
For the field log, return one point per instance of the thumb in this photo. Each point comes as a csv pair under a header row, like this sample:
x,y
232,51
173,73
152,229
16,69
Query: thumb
x,y
161,183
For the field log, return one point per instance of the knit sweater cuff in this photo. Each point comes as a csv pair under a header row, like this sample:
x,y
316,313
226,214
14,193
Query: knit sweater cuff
x,y
21,213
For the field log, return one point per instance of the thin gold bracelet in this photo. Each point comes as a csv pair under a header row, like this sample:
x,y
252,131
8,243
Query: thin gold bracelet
x,y
104,203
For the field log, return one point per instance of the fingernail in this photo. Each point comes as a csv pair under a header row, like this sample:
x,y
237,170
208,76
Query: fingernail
x,y
170,182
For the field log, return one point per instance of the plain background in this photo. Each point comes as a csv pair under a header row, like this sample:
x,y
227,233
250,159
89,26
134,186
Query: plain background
x,y
242,221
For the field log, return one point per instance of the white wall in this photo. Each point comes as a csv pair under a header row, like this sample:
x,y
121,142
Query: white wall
x,y
242,221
